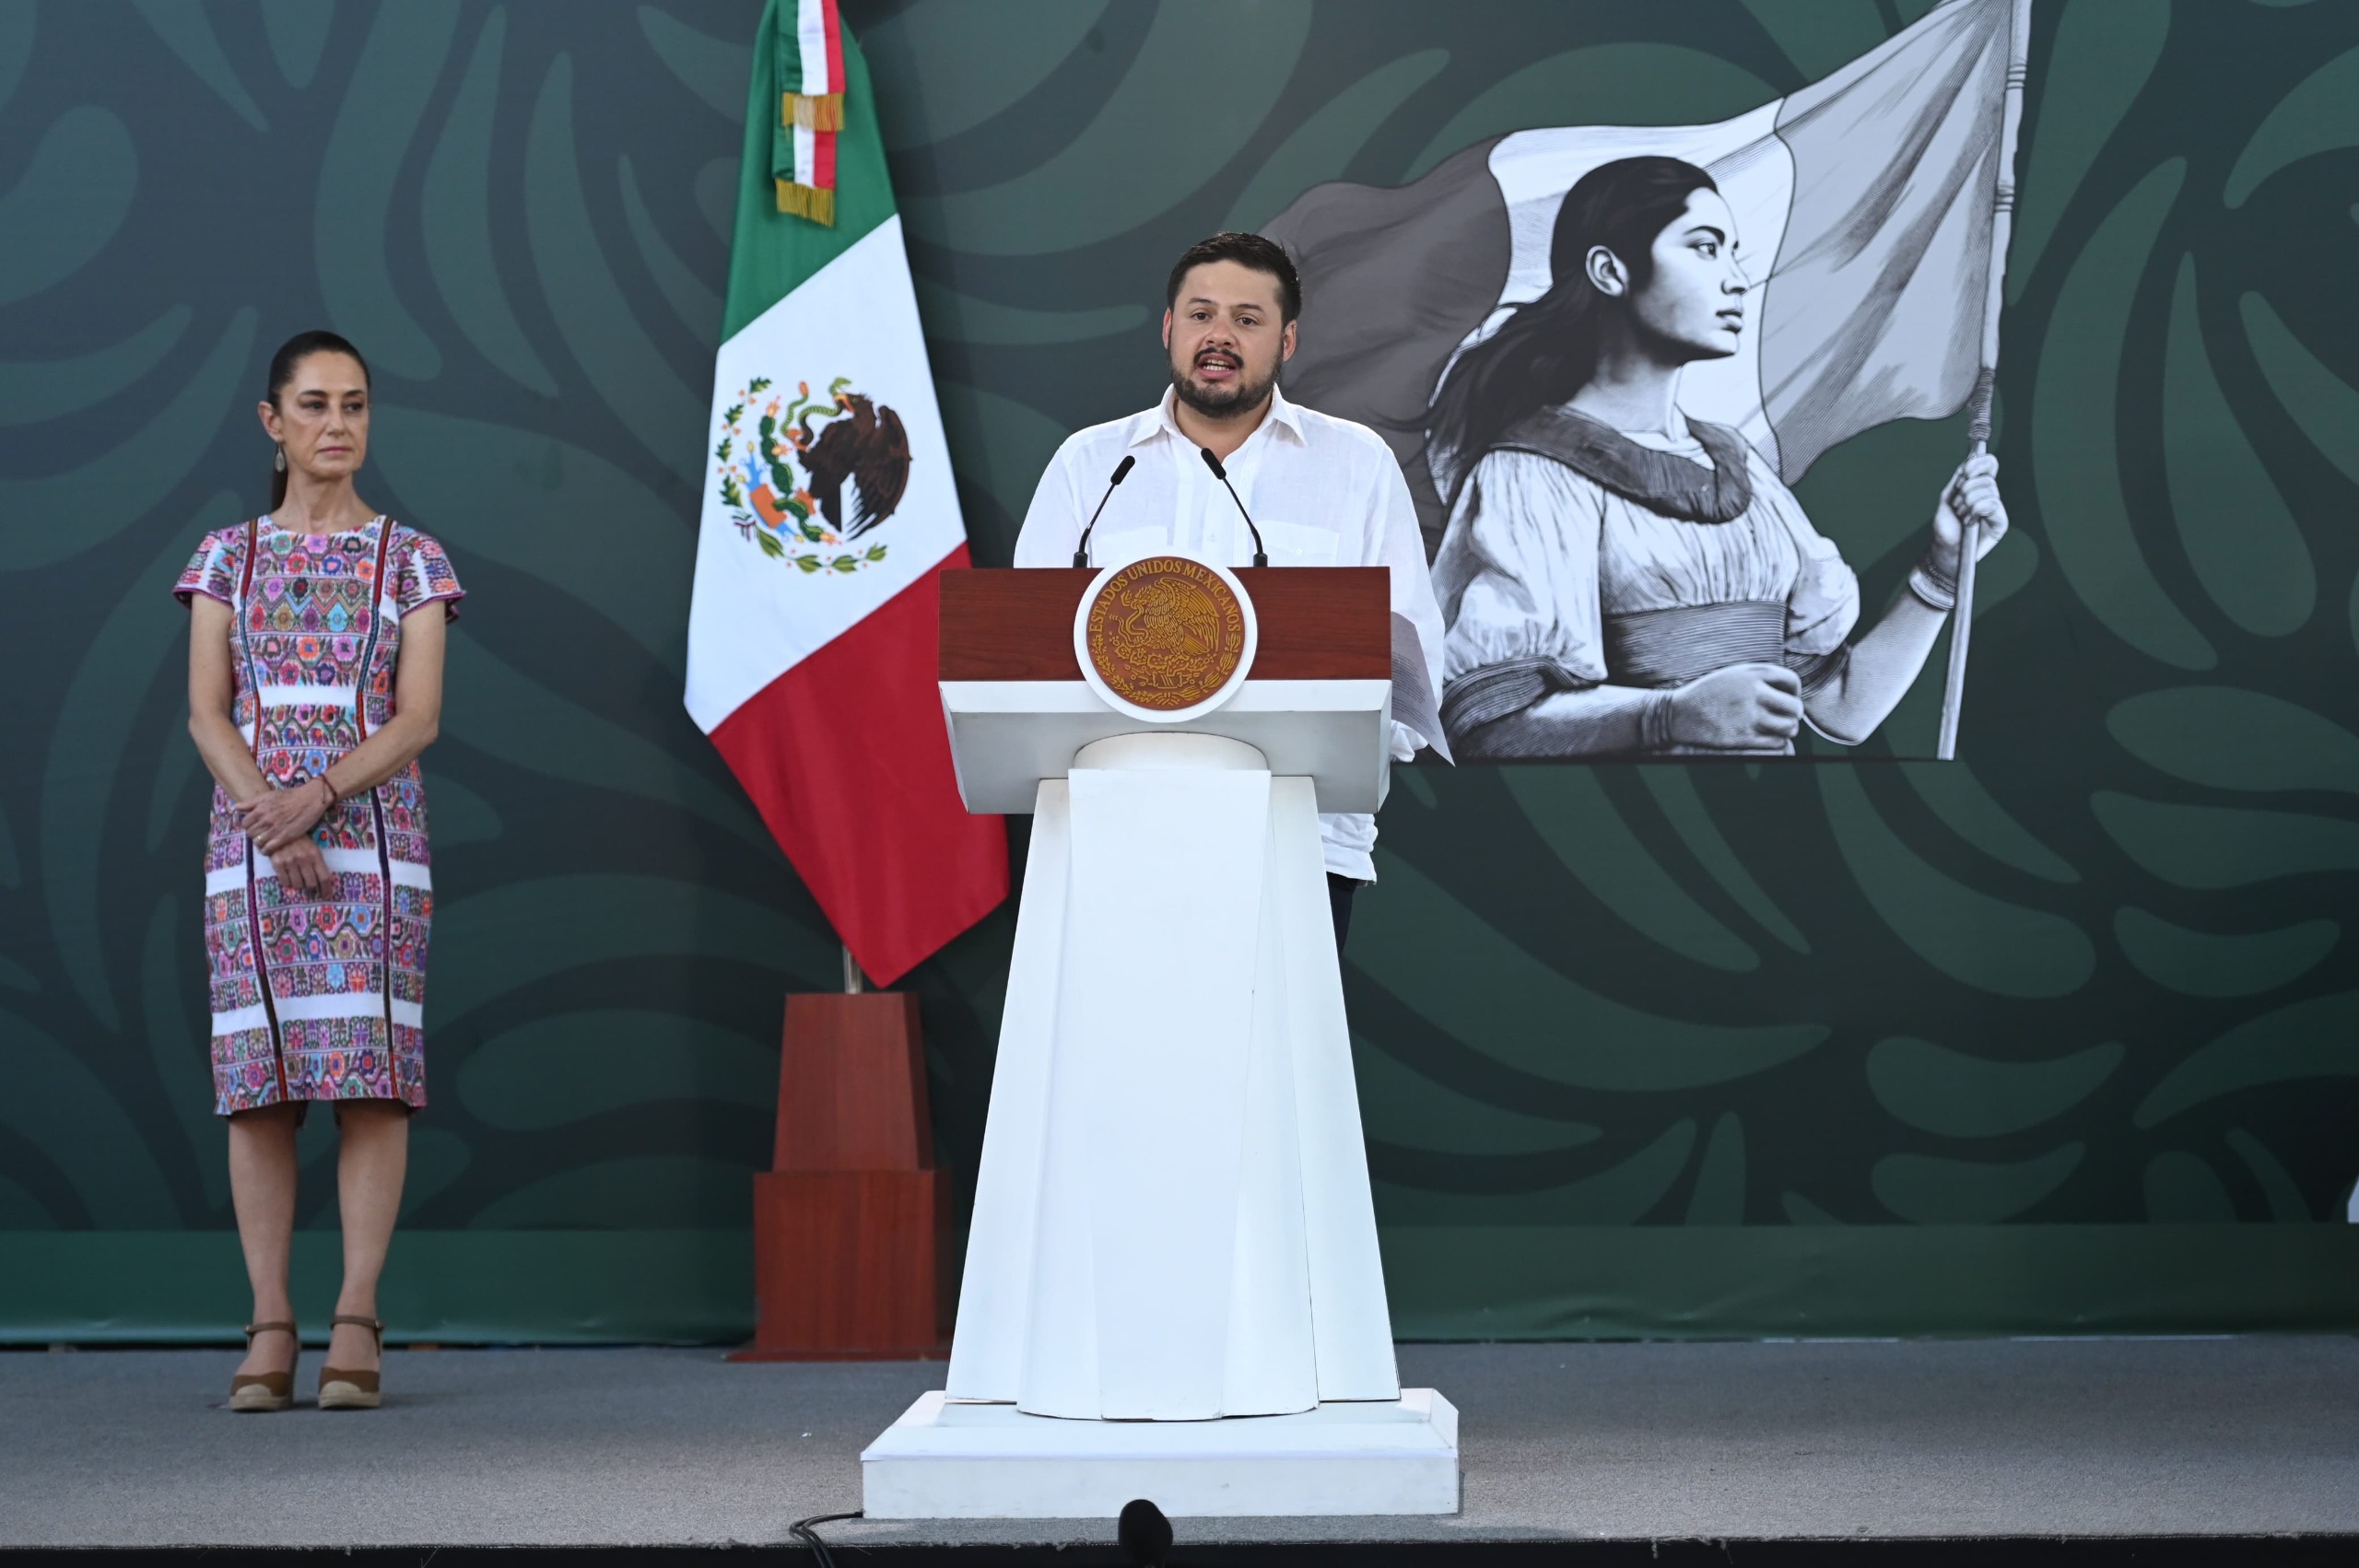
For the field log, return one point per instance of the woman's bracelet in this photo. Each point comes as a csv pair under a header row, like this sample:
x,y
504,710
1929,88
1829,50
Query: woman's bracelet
x,y
335,797
1926,581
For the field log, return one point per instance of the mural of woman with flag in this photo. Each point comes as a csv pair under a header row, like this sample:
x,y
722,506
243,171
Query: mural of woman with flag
x,y
1619,578
1603,353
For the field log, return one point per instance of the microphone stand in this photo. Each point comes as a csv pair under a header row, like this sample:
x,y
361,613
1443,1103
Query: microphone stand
x,y
1121,472
1260,556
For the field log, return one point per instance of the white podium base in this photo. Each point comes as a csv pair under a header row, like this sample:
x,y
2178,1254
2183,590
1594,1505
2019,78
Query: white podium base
x,y
1173,1218
942,1460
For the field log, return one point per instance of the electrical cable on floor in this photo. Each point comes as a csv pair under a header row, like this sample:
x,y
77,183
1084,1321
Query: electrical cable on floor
x,y
801,1530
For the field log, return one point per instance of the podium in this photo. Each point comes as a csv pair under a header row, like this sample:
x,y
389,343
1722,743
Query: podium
x,y
1172,1286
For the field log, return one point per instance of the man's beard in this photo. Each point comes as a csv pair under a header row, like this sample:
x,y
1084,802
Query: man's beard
x,y
1222,403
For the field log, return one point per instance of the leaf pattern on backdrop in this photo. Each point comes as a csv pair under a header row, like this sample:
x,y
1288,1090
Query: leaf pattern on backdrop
x,y
2095,972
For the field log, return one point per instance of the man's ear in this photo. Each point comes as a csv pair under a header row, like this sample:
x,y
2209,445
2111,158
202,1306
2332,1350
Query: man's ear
x,y
1286,341
1167,328
1606,274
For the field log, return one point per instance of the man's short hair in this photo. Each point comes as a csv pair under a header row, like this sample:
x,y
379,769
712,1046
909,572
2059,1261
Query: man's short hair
x,y
1246,250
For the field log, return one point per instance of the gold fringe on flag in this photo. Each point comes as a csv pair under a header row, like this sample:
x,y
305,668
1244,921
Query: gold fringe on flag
x,y
812,111
807,200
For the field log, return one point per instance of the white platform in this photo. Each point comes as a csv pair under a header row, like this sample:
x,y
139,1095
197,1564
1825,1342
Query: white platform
x,y
945,1460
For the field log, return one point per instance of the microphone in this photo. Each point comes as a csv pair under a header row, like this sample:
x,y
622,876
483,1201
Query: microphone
x,y
1121,472
1260,556
1145,1533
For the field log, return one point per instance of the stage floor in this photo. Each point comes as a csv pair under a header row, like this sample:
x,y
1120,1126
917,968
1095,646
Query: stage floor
x,y
1663,1442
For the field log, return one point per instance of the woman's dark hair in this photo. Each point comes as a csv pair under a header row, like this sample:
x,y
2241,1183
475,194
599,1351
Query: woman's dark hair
x,y
291,353
1246,250
1546,350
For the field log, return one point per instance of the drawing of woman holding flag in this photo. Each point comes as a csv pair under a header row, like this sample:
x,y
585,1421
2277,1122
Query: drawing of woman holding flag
x,y
1619,579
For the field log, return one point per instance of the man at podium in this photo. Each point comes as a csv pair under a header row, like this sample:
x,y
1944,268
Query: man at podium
x,y
1173,1222
1309,489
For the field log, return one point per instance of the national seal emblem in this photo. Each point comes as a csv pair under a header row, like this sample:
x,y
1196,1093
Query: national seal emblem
x,y
808,519
1166,633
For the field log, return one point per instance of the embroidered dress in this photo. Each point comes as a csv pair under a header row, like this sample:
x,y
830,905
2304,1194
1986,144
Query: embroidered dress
x,y
319,998
1579,558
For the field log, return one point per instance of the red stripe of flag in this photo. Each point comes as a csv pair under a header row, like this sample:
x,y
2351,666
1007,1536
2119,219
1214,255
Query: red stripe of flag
x,y
823,145
847,757
831,28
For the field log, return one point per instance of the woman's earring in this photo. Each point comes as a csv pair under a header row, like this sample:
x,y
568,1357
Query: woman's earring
x,y
278,464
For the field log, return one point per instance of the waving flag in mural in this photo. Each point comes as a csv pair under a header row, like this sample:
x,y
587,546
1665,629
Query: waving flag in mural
x,y
1869,210
829,515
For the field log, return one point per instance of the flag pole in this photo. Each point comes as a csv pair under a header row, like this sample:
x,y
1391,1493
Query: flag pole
x,y
2003,225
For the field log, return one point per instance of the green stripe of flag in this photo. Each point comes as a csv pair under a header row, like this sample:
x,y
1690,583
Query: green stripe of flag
x,y
774,251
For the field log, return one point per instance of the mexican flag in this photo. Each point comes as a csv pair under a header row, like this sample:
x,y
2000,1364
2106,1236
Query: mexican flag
x,y
828,516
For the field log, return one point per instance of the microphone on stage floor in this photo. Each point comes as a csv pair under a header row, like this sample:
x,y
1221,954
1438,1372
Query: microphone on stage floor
x,y
1121,472
1260,556
1145,1533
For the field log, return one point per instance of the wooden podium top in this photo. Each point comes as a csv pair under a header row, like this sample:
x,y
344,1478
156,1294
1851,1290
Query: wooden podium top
x,y
1317,702
1317,623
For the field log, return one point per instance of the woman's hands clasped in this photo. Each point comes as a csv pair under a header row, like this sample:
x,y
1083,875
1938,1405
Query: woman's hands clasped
x,y
302,870
280,824
280,817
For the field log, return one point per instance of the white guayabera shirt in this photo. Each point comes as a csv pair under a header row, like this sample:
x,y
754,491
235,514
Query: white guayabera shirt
x,y
1325,492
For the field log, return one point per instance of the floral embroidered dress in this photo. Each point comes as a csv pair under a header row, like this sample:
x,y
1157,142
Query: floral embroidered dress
x,y
319,998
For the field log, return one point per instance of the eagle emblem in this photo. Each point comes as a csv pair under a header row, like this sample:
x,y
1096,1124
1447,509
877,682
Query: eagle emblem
x,y
809,519
1165,633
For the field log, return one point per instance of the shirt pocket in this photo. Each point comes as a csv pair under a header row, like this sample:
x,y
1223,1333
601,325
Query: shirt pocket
x,y
1300,545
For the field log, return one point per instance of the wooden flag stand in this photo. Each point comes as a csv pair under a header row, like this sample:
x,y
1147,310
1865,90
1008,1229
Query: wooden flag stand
x,y
851,1221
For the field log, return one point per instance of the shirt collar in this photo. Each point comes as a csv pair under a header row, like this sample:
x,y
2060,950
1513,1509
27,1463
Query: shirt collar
x,y
1161,420
1287,417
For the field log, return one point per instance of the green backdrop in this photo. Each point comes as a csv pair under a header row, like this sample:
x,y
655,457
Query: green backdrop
x,y
2060,1037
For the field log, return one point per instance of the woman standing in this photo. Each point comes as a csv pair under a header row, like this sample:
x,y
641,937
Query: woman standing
x,y
315,680
1618,579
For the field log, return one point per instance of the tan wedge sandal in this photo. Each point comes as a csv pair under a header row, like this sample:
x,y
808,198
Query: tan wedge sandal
x,y
344,1389
251,1391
